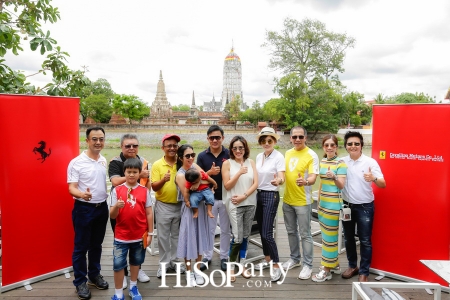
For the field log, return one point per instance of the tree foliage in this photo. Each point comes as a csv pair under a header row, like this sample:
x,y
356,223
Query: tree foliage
x,y
307,49
406,98
131,107
98,108
21,20
181,107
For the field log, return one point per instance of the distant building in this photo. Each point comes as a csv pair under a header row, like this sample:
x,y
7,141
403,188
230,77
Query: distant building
x,y
161,110
212,105
232,79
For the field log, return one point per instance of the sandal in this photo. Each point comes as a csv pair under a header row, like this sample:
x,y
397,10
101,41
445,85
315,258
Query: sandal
x,y
232,277
246,274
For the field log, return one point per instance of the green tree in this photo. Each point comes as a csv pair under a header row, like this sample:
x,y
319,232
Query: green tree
x,y
99,87
255,113
20,20
131,107
307,49
232,110
98,107
181,107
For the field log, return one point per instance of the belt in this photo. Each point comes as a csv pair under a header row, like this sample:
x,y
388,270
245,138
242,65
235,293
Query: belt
x,y
90,204
354,204
263,191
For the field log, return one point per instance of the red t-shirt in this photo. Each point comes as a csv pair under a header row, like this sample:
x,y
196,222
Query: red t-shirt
x,y
201,187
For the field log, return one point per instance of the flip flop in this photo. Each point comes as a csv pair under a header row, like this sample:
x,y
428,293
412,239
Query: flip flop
x,y
246,274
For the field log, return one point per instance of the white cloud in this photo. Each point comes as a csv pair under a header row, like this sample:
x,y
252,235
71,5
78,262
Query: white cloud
x,y
401,46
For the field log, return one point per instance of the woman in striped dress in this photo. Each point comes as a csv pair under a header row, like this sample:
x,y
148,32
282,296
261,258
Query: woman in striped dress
x,y
194,238
333,172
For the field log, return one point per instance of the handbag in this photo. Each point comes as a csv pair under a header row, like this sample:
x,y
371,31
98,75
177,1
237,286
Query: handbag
x,y
345,213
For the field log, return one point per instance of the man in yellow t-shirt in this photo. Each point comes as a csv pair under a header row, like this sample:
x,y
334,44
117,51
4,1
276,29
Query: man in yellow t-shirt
x,y
167,207
302,167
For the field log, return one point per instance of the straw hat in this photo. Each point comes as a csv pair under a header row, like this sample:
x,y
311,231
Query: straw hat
x,y
270,132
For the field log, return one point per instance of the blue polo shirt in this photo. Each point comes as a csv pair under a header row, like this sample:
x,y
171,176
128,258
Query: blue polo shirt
x,y
205,160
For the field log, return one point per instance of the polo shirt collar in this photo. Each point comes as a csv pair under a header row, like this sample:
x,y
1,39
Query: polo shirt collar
x,y
209,150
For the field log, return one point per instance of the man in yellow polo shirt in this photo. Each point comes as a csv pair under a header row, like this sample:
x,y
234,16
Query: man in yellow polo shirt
x,y
302,167
167,208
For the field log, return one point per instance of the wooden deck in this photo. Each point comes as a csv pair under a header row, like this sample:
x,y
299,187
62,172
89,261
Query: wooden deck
x,y
292,288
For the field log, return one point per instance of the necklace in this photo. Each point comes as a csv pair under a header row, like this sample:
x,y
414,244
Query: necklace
x,y
330,159
267,156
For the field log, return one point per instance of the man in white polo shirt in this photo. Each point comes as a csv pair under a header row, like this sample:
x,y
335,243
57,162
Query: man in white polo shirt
x,y
362,171
86,176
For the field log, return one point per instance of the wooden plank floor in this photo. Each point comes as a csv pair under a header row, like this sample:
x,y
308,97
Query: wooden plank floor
x,y
292,288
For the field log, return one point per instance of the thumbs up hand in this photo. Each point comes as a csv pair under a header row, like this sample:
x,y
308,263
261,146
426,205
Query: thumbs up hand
x,y
120,203
275,180
243,169
300,181
368,177
330,174
87,195
167,176
214,170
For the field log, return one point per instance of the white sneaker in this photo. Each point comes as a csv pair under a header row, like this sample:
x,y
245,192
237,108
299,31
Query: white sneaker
x,y
262,265
276,274
199,280
322,276
190,279
305,273
142,277
125,282
287,265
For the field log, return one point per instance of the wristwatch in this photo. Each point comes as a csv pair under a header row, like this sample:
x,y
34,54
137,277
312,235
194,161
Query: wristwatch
x,y
375,180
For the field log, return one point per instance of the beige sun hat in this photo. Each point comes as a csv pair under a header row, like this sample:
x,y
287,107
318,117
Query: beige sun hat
x,y
270,132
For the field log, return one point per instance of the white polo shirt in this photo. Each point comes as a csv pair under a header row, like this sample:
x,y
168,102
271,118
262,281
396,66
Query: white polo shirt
x,y
267,167
89,173
356,189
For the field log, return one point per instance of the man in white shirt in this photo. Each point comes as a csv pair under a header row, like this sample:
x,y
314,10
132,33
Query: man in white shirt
x,y
86,176
362,171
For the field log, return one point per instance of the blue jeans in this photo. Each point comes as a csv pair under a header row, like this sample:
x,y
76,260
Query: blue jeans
x,y
299,218
120,251
89,222
197,196
362,217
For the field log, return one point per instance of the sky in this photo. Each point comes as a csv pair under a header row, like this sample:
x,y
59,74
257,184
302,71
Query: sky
x,y
401,45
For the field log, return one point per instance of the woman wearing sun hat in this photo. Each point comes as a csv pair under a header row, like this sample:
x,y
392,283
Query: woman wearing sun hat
x,y
271,167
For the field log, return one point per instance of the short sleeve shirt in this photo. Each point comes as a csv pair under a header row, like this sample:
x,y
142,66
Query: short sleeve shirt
x,y
267,167
205,160
168,193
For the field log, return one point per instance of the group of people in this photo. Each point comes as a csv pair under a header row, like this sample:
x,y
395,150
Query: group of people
x,y
225,184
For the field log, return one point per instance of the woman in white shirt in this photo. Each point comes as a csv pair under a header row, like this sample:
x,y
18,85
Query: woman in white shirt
x,y
271,167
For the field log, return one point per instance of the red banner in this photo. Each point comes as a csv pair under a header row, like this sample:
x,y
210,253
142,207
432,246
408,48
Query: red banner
x,y
40,137
412,215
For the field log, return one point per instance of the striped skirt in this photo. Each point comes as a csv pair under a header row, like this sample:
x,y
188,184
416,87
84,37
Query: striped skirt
x,y
329,226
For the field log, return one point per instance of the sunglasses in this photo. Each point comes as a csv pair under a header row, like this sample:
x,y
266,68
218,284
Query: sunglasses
x,y
329,145
240,148
131,146
295,137
353,144
174,146
268,141
189,155
214,137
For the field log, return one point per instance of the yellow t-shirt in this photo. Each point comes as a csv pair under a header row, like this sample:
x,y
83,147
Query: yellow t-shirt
x,y
168,193
304,162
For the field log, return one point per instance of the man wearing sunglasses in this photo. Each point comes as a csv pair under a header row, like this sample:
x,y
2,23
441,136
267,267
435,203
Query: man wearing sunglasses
x,y
302,167
129,144
211,161
362,172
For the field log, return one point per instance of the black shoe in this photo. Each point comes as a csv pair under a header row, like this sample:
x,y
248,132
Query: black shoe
x,y
99,282
83,291
203,266
223,264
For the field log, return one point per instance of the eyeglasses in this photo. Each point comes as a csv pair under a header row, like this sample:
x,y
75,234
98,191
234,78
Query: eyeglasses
x,y
295,137
353,143
214,137
189,155
174,146
238,148
268,141
131,146
101,140
329,145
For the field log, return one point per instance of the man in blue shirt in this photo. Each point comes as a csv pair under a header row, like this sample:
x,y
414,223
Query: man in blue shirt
x,y
211,161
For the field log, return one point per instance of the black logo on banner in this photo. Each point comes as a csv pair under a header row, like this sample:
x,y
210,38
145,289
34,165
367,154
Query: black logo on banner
x,y
41,151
